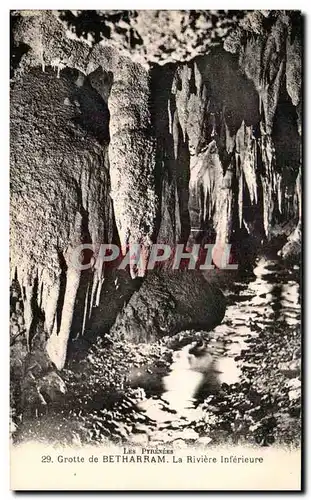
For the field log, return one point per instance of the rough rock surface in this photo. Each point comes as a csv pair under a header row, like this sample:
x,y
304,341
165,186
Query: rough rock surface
x,y
59,194
167,126
292,248
153,36
201,143
126,84
197,109
132,152
168,303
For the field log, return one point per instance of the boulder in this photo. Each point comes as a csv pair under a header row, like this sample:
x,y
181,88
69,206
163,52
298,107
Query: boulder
x,y
167,303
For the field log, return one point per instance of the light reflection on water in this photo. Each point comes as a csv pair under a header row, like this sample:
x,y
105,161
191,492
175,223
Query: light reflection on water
x,y
268,300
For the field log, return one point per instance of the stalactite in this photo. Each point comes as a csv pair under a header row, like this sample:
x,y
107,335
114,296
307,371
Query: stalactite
x,y
50,303
294,61
191,100
224,210
175,133
240,197
199,117
132,151
268,180
263,61
93,294
292,247
132,148
86,307
99,289
28,309
279,191
132,158
181,90
246,147
57,342
170,228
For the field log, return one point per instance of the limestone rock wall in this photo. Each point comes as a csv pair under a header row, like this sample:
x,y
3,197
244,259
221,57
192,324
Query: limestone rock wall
x,y
175,127
60,191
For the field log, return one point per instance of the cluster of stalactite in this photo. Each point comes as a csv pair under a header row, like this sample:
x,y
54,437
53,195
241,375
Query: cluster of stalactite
x,y
229,129
201,151
67,206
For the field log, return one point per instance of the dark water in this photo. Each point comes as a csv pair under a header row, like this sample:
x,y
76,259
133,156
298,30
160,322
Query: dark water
x,y
262,318
269,302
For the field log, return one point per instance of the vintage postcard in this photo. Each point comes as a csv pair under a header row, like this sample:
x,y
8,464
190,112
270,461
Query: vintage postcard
x,y
155,250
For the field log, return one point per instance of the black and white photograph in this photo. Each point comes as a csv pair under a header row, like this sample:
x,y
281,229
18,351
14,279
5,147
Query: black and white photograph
x,y
156,169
